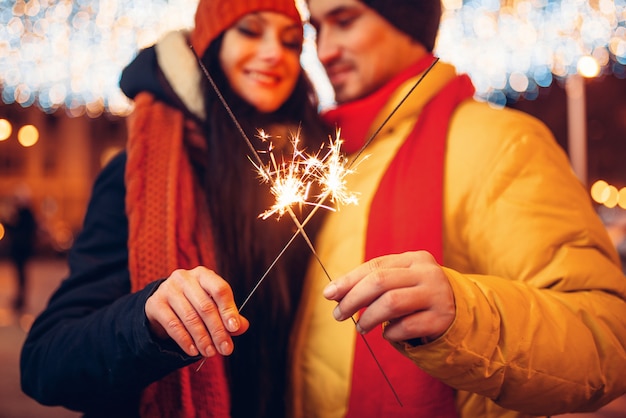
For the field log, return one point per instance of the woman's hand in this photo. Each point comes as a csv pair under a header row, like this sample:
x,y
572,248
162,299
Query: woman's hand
x,y
197,310
409,291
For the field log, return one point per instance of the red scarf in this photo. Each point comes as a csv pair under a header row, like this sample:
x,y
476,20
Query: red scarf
x,y
405,214
169,229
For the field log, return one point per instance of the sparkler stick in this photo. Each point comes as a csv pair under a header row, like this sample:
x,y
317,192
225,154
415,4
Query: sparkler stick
x,y
254,150
320,203
395,109
291,183
249,143
259,164
349,166
334,169
299,225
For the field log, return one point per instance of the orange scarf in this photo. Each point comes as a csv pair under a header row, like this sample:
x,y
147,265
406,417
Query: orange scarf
x,y
169,228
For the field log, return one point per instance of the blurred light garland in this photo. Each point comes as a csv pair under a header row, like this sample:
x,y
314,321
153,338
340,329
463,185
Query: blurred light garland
x,y
511,48
69,54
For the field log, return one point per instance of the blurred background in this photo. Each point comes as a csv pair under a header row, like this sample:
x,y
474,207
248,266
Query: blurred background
x,y
62,117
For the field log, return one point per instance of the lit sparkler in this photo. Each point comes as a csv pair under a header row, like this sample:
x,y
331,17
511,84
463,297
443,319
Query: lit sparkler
x,y
336,167
259,164
291,181
290,184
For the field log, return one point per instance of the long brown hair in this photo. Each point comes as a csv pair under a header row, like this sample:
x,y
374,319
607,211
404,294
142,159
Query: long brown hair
x,y
245,244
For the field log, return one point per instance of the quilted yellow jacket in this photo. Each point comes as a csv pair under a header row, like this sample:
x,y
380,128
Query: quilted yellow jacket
x,y
540,324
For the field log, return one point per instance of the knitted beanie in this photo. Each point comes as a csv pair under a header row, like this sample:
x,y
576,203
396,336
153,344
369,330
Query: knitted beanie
x,y
417,18
215,16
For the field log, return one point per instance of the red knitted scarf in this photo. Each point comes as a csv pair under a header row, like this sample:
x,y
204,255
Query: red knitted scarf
x,y
168,229
405,214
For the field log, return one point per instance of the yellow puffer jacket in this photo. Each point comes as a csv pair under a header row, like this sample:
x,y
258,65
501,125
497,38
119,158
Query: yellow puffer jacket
x,y
540,296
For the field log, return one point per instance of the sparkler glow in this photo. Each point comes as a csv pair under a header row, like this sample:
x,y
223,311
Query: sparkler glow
x,y
265,174
291,181
335,167
336,179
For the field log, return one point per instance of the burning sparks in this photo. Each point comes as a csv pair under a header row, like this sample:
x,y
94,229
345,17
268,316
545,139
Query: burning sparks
x,y
291,181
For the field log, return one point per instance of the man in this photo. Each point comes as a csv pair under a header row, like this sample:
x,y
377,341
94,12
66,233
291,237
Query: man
x,y
500,292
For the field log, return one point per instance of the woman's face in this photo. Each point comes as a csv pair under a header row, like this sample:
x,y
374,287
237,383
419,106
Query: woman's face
x,y
260,56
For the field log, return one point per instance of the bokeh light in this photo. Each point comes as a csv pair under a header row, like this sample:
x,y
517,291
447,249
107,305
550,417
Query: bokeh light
x,y
69,54
588,66
608,195
5,129
497,42
28,135
597,191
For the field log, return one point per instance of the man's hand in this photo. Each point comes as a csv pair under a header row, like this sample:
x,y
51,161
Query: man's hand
x,y
409,291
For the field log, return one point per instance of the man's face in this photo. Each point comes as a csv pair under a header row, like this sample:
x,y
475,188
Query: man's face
x,y
360,50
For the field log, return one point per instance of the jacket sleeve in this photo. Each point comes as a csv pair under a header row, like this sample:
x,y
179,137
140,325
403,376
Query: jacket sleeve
x,y
540,295
90,349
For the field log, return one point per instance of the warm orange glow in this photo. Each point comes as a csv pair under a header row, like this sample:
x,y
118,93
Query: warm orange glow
x,y
5,129
291,181
1,231
608,195
621,198
612,195
108,154
597,191
588,67
452,4
28,135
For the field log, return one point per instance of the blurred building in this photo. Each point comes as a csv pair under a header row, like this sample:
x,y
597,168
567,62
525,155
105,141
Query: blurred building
x,y
605,124
56,158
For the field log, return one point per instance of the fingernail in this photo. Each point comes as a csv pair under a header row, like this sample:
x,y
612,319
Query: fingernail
x,y
225,348
330,291
337,313
210,351
193,350
359,329
233,324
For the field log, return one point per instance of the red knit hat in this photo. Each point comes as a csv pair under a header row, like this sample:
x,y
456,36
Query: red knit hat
x,y
215,16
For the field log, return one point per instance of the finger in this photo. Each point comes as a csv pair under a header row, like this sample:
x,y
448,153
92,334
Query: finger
x,y
206,324
420,286
370,288
160,312
425,289
193,321
222,295
179,289
392,306
423,324
214,302
214,332
340,286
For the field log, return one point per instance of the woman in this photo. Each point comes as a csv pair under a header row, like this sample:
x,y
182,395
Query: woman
x,y
183,203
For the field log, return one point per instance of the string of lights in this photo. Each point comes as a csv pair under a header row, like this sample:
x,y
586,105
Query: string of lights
x,y
513,47
69,54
